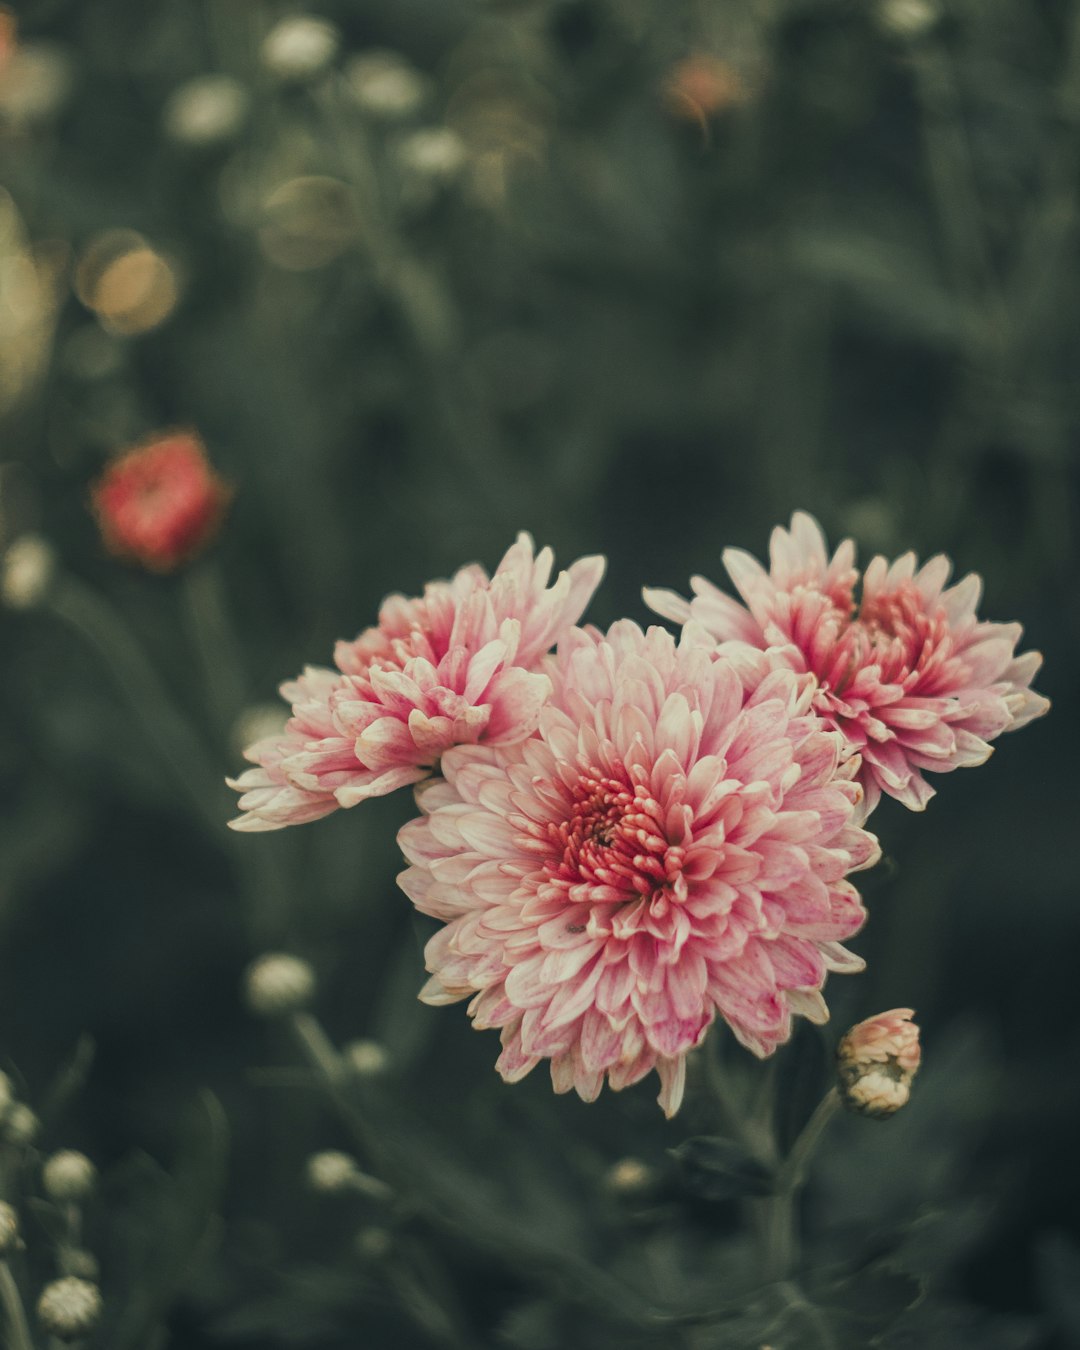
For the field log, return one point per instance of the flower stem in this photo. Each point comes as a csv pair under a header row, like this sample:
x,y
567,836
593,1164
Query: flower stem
x,y
14,1313
782,1243
214,637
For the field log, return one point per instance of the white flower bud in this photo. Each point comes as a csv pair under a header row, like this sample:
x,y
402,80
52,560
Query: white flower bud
x,y
433,152
384,84
69,1308
299,47
68,1175
278,984
331,1171
366,1059
206,111
908,18
20,1125
26,571
9,1229
629,1176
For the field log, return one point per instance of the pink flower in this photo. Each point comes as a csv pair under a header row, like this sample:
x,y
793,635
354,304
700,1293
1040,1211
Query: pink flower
x,y
458,666
667,848
909,674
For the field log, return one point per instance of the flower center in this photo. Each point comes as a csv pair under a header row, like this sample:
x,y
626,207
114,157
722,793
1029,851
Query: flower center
x,y
613,837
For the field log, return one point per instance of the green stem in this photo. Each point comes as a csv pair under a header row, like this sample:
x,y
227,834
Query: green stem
x,y
782,1244
165,727
14,1313
214,637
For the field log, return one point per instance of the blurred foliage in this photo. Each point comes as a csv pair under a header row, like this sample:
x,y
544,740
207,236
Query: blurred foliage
x,y
641,277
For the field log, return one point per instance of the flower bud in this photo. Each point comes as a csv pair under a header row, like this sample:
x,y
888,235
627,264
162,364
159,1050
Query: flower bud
x,y
206,110
299,47
278,984
69,1308
25,572
433,152
20,1125
366,1059
629,1176
876,1062
9,1229
331,1171
68,1176
909,19
385,85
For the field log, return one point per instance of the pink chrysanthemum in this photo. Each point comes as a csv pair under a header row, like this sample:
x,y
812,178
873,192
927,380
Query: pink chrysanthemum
x,y
666,849
458,666
910,675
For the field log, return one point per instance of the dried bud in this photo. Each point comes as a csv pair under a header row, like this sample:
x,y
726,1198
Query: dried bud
x,y
9,1229
69,1308
366,1059
278,984
68,1175
300,47
876,1062
25,573
161,503
331,1171
629,1176
20,1125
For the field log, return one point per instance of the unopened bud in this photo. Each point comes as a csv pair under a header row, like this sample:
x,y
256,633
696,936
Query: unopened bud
x,y
25,573
366,1059
433,152
69,1308
20,1125
300,47
278,984
9,1229
331,1171
206,110
629,1176
68,1176
876,1063
385,85
908,18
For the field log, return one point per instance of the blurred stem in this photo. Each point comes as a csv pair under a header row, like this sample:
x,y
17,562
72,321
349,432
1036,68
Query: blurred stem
x,y
177,742
782,1243
754,1134
214,636
14,1313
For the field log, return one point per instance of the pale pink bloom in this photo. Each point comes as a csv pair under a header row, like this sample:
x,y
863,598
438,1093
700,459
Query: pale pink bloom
x,y
666,849
460,665
909,674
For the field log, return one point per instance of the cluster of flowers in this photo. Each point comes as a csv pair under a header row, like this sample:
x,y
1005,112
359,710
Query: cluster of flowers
x,y
634,835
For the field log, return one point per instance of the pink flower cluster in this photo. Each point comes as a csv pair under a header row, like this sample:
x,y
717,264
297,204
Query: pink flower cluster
x,y
636,835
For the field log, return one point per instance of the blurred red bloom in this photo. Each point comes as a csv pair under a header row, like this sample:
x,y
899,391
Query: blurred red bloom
x,y
161,503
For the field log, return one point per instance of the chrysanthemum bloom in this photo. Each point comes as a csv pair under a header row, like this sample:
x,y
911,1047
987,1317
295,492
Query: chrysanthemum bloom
x,y
161,503
910,675
460,665
876,1062
668,848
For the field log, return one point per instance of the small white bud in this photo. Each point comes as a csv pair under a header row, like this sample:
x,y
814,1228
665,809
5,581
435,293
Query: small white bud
x,y
69,1308
26,571
331,1171
908,18
433,152
206,111
299,47
384,84
68,1175
9,1229
20,1125
629,1176
366,1059
278,984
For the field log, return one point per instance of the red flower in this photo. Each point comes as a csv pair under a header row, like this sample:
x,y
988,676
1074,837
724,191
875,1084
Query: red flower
x,y
161,503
